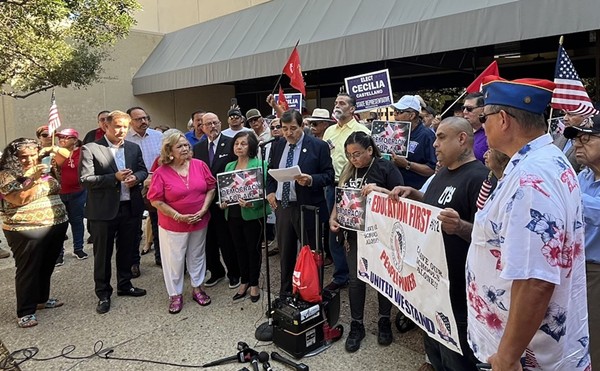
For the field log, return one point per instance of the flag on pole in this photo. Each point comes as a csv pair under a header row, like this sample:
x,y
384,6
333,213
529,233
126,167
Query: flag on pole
x,y
282,101
475,86
570,94
53,119
293,70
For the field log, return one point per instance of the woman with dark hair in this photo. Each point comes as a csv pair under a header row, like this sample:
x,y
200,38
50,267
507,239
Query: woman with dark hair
x,y
245,220
365,170
72,193
181,190
34,222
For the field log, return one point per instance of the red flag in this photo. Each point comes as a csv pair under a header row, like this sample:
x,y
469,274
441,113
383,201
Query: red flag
x,y
475,86
293,70
282,101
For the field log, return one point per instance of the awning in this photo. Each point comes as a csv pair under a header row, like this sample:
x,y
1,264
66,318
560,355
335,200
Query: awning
x,y
257,41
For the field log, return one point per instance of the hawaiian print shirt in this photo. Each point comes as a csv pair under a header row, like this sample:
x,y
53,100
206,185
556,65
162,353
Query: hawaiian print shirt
x,y
531,227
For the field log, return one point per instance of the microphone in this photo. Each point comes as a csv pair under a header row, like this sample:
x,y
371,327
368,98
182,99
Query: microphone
x,y
267,366
260,357
241,356
241,346
262,144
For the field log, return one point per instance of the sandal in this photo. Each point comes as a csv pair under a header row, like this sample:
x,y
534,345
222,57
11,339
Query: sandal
x,y
201,298
50,304
403,323
146,249
27,321
176,304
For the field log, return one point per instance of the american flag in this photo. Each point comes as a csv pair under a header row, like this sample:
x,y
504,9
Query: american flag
x,y
53,119
570,94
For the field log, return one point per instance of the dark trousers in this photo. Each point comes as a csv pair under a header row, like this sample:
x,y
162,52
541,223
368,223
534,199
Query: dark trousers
x,y
153,215
218,242
247,236
444,359
35,252
288,235
75,204
336,248
123,228
357,289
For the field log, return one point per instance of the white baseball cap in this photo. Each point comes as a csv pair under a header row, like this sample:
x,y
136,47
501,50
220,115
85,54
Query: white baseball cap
x,y
408,101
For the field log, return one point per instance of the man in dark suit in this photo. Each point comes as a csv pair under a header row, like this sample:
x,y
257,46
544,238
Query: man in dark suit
x,y
216,152
313,158
113,170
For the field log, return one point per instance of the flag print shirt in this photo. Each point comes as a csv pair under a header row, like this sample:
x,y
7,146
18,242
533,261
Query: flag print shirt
x,y
531,227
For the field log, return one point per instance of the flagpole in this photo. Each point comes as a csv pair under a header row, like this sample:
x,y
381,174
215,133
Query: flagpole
x,y
560,42
452,105
281,74
52,100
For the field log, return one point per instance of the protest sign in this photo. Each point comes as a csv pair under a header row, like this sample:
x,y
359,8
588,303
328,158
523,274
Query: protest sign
x,y
245,184
371,90
391,137
402,255
294,101
350,207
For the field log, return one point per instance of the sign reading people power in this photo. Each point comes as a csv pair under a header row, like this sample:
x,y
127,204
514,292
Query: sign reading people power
x,y
401,254
371,90
391,137
243,184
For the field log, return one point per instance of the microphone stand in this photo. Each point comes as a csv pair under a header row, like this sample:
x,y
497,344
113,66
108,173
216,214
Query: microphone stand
x,y
264,332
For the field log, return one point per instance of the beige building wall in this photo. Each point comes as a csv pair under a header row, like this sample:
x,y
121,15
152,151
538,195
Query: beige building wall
x,y
78,107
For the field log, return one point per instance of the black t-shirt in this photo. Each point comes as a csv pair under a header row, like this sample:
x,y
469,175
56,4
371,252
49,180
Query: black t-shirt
x,y
382,172
457,189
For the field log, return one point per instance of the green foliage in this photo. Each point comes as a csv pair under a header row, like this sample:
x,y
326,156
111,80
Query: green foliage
x,y
47,43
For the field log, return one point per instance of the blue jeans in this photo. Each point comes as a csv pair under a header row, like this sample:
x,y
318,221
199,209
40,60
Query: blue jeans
x,y
75,202
338,252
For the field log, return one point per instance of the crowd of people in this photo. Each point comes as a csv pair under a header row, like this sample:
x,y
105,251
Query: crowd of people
x,y
519,213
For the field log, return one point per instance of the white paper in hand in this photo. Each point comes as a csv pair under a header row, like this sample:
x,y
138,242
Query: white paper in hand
x,y
286,174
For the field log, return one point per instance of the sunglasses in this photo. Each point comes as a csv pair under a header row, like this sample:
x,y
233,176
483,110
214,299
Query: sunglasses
x,y
483,117
44,135
469,108
400,111
275,127
139,119
235,117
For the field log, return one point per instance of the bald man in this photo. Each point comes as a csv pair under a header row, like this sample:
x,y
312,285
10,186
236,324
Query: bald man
x,y
454,189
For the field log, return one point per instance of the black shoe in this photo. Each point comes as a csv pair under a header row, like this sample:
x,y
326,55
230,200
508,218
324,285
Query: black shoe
x,y
135,271
238,296
89,240
254,299
234,283
103,306
80,254
132,291
357,333
384,336
158,262
403,323
213,281
274,251
59,261
334,286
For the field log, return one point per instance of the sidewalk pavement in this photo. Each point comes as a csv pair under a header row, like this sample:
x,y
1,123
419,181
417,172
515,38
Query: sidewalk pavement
x,y
142,329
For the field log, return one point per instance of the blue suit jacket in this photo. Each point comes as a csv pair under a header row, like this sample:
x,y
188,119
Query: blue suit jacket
x,y
315,160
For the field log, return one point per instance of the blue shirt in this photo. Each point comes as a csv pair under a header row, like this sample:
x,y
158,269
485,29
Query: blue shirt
x,y
420,151
590,195
191,137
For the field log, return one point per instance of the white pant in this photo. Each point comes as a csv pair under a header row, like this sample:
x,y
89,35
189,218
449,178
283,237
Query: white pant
x,y
177,248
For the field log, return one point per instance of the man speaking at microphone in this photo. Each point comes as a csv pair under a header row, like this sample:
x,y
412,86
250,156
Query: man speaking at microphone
x,y
313,158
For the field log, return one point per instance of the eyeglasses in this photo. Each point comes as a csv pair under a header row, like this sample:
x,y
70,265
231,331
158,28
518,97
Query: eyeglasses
x,y
354,155
252,120
139,119
214,123
44,135
584,138
275,127
483,117
400,111
469,108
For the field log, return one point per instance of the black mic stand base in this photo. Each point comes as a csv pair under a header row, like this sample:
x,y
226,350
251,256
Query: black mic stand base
x,y
264,332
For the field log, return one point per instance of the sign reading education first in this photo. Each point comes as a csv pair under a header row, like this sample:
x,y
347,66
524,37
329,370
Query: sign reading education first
x,y
371,90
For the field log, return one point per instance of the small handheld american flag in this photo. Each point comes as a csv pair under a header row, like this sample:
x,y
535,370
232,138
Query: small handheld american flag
x,y
53,118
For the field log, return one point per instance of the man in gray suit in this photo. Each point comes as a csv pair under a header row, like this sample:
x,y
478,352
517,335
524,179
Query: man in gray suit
x,y
113,171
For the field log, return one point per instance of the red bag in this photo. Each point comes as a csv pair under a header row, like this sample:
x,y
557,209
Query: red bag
x,y
305,281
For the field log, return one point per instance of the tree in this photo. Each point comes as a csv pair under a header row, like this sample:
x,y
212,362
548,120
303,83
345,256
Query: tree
x,y
48,43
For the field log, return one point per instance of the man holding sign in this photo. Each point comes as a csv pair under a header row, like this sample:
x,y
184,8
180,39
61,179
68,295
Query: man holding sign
x,y
454,189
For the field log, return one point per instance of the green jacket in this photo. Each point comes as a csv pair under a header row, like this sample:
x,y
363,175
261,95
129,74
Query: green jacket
x,y
256,211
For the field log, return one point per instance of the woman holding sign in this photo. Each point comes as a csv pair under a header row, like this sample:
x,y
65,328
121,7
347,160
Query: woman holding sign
x,y
245,219
182,189
365,171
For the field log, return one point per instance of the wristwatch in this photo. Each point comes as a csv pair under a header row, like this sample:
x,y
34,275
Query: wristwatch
x,y
407,165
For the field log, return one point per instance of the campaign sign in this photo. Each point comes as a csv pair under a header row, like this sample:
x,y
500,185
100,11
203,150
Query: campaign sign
x,y
371,90
391,137
401,254
350,207
245,184
294,101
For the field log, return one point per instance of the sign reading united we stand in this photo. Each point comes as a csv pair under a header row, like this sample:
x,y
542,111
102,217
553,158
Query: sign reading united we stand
x,y
371,90
401,254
